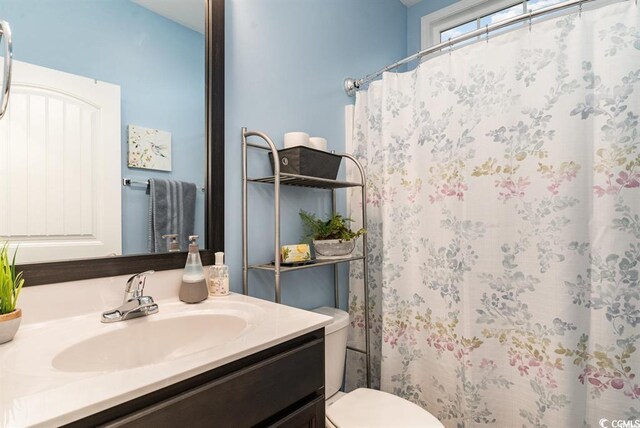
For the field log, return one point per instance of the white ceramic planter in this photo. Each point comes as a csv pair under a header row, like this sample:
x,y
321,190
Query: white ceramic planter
x,y
9,324
327,249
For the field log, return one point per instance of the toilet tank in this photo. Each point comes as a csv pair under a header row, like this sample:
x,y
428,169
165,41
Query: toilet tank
x,y
335,348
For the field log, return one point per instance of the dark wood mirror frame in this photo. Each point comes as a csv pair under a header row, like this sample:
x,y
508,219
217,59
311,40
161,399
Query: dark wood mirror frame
x,y
73,270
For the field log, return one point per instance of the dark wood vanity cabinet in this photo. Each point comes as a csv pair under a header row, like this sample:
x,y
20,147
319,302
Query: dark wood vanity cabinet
x,y
282,386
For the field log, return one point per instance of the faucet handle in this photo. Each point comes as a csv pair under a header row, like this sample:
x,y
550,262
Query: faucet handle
x,y
135,285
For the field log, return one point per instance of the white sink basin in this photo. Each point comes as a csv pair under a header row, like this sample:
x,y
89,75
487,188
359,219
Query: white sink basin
x,y
148,341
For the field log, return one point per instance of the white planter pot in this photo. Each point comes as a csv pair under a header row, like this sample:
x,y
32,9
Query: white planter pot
x,y
328,249
9,324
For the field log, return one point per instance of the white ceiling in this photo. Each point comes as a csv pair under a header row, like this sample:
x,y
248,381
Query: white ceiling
x,y
189,13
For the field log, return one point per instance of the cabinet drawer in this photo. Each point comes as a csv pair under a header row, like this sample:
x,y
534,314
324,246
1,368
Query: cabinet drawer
x,y
310,415
243,398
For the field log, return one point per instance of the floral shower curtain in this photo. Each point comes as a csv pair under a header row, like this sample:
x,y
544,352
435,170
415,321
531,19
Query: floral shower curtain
x,y
504,226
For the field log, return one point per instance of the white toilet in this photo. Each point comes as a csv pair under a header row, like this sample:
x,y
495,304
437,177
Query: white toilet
x,y
363,407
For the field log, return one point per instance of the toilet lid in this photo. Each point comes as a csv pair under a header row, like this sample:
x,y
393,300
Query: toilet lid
x,y
376,409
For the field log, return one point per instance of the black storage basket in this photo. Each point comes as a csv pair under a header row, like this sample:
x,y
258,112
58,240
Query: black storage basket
x,y
303,160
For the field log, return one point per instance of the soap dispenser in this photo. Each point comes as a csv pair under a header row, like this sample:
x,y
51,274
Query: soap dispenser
x,y
194,285
173,246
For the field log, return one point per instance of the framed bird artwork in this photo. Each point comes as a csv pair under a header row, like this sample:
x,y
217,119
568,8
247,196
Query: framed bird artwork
x,y
149,148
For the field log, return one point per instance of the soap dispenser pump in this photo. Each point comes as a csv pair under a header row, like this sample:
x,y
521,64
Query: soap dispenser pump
x,y
173,246
194,285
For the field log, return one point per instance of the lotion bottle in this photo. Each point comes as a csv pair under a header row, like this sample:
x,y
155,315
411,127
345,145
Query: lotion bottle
x,y
219,277
194,285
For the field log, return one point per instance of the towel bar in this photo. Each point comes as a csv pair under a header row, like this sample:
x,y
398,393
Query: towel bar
x,y
129,182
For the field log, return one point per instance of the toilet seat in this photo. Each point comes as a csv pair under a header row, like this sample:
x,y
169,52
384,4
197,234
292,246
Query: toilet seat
x,y
376,409
335,397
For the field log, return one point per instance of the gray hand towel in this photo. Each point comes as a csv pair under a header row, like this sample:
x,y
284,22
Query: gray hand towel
x,y
172,209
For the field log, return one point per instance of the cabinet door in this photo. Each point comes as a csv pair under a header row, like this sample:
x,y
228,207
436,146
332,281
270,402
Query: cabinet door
x,y
243,398
310,415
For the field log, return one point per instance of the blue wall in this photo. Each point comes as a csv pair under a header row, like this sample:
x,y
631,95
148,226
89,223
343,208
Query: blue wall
x,y
414,14
285,63
157,63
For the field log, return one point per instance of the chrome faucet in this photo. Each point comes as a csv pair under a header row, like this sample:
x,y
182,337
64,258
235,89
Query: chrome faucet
x,y
135,304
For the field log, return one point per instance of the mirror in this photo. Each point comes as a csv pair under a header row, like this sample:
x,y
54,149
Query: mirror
x,y
104,93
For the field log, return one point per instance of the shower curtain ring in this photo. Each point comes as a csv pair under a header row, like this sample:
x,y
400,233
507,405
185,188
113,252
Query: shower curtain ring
x,y
487,32
530,19
580,10
449,42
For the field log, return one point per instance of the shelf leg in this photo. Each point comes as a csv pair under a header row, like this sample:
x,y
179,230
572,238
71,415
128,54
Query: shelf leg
x,y
276,216
277,284
365,269
365,273
336,280
245,249
276,208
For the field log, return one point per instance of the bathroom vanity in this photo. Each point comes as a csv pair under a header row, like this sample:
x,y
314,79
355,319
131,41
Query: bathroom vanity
x,y
231,361
279,387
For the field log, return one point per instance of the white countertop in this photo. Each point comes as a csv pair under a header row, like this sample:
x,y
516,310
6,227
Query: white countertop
x,y
34,393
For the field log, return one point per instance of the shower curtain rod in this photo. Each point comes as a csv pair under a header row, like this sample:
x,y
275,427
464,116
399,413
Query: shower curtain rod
x,y
351,85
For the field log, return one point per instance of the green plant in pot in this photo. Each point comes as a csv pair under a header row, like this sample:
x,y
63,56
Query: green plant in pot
x,y
10,286
332,238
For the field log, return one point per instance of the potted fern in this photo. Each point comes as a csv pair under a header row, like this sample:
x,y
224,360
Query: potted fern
x,y
10,286
332,238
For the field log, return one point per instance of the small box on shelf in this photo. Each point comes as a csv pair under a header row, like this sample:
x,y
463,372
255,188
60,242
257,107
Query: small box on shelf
x,y
309,162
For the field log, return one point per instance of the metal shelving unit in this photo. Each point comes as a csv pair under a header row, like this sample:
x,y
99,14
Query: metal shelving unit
x,y
278,179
